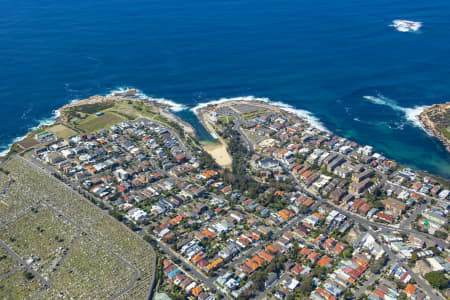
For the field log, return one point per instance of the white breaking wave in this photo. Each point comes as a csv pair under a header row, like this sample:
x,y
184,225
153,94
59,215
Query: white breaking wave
x,y
74,101
17,139
140,95
410,113
304,114
406,25
42,122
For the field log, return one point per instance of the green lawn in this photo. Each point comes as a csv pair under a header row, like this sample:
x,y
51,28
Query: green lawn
x,y
226,120
42,239
90,272
7,262
95,123
446,131
17,286
61,130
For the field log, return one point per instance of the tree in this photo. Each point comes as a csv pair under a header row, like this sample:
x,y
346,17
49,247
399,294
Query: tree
x,y
258,280
28,275
319,271
437,279
348,294
347,253
307,286
441,235
116,214
378,265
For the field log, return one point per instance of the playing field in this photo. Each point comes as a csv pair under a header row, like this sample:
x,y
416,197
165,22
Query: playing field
x,y
95,123
61,130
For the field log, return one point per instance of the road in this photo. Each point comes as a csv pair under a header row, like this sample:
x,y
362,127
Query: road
x,y
394,258
405,228
287,227
24,264
47,171
365,286
406,224
238,127
10,273
208,281
361,220
20,214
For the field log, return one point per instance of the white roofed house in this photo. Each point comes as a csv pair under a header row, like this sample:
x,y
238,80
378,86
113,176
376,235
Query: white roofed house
x,y
444,194
67,153
268,164
311,220
237,216
121,174
438,264
53,157
368,242
342,172
314,157
137,215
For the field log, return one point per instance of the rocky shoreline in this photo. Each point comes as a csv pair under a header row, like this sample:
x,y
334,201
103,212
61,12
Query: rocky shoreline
x,y
436,121
162,107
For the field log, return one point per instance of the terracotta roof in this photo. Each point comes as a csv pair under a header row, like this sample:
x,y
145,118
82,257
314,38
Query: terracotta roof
x,y
324,261
266,255
410,289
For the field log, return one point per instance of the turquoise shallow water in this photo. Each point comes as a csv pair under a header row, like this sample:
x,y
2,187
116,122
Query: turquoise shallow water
x,y
188,116
321,56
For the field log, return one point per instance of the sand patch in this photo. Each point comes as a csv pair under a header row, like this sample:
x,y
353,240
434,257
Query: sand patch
x,y
220,154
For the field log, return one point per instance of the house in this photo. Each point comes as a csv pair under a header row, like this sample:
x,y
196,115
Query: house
x,y
292,284
358,188
337,195
359,177
196,291
214,265
226,190
325,261
181,158
297,269
271,278
313,257
385,217
364,209
410,289
434,217
53,157
396,208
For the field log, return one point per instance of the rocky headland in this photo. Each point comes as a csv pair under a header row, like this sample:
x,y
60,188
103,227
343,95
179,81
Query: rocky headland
x,y
436,120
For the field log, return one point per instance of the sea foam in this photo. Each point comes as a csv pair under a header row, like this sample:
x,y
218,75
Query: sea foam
x,y
406,25
42,122
140,95
410,113
304,114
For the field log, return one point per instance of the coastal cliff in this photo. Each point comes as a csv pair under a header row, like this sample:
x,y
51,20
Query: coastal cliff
x,y
436,120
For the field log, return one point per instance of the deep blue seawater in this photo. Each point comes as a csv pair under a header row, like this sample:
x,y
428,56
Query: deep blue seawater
x,y
321,56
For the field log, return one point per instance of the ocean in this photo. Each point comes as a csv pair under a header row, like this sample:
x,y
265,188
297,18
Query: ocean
x,y
339,60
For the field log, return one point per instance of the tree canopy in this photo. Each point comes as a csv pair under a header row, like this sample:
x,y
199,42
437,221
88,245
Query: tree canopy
x,y
437,279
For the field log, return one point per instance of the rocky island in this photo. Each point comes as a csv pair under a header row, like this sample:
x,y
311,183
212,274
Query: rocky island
x,y
436,120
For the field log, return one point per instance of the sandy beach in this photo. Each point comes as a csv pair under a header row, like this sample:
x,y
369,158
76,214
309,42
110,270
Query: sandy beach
x,y
220,154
